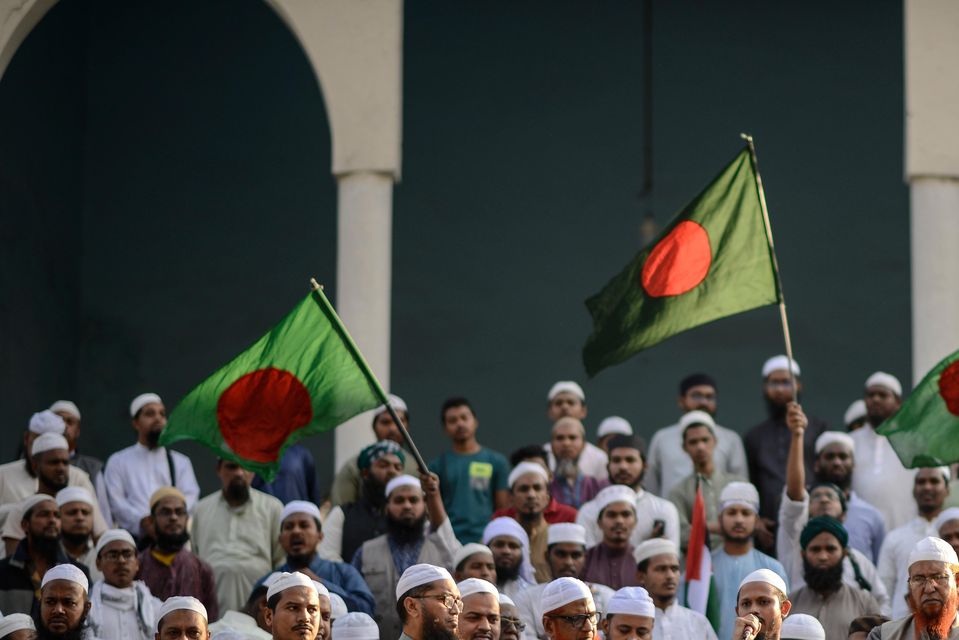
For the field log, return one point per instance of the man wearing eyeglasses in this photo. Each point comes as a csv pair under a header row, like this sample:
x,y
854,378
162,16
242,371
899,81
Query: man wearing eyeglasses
x,y
480,618
428,604
569,612
932,597
120,607
511,627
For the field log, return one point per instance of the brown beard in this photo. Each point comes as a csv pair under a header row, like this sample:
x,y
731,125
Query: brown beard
x,y
938,624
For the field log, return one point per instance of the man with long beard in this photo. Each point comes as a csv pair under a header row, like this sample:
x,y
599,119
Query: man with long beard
x,y
510,546
406,543
427,605
64,604
529,495
480,617
932,597
571,485
348,526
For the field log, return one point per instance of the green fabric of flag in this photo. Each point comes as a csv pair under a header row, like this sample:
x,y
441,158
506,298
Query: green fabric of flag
x,y
925,430
303,377
712,260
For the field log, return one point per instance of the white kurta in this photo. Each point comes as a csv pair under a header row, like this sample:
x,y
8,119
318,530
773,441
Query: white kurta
x,y
667,464
649,508
592,461
240,623
680,623
331,546
530,608
241,544
134,473
880,479
122,614
894,560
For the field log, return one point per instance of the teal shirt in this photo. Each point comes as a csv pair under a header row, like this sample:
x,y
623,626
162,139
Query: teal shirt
x,y
468,484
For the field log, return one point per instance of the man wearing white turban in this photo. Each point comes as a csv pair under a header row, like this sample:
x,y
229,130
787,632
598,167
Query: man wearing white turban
x,y
510,546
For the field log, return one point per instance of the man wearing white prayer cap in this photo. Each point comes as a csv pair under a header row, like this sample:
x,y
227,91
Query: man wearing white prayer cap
x,y
182,617
611,561
296,610
63,605
510,546
658,571
93,466
569,612
17,626
761,605
480,617
120,607
612,426
529,497
511,626
631,614
474,560
133,474
930,488
932,596
348,482
801,626
355,626
947,524
77,506
566,400
338,607
17,479
879,477
428,605
855,415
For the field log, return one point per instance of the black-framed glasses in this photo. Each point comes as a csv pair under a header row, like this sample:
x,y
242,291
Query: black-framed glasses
x,y
514,623
579,620
448,599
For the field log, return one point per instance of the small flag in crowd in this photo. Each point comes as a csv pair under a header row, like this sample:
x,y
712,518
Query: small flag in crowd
x,y
701,594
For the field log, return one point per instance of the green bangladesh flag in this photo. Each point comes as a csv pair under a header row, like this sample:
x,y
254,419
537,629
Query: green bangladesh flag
x,y
712,260
925,430
303,377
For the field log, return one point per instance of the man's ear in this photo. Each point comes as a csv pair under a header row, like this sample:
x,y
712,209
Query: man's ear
x,y
548,624
785,607
412,607
641,578
267,617
86,606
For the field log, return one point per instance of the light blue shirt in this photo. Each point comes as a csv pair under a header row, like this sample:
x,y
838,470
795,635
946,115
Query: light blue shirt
x,y
728,572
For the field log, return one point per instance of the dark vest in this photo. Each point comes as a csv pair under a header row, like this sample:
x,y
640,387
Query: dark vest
x,y
361,522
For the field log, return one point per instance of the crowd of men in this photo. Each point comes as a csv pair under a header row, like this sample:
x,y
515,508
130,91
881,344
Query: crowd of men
x,y
811,533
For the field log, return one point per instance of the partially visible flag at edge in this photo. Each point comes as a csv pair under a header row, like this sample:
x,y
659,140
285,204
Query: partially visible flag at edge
x,y
701,594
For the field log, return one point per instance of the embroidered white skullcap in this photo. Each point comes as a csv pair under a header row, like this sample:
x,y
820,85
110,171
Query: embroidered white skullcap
x,y
15,622
288,581
418,575
739,493
74,494
614,424
523,468
115,535
935,549
65,406
321,590
827,438
767,576
179,603
46,422
396,402
338,607
562,591
69,572
356,626
566,532
402,481
696,417
508,527
654,547
631,601
142,400
779,363
476,585
505,599
467,550
856,411
33,500
48,442
952,513
886,380
566,386
300,506
801,626
615,493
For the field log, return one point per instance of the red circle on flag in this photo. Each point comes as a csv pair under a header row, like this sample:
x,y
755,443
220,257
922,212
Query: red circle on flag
x,y
259,411
678,262
949,387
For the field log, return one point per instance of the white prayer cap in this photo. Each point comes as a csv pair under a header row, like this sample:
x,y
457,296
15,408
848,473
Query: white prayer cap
x,y
856,411
114,535
801,626
418,575
69,572
179,603
614,424
566,386
696,417
476,585
935,549
523,468
74,494
356,626
779,363
15,622
767,576
467,550
46,422
288,581
654,547
952,513
321,590
48,442
562,591
886,380
739,493
402,481
300,506
505,527
827,438
270,579
615,493
31,501
142,400
943,471
396,402
566,532
631,601
505,599
65,406
338,607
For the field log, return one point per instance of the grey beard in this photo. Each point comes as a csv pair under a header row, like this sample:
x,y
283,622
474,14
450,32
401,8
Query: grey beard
x,y
566,468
